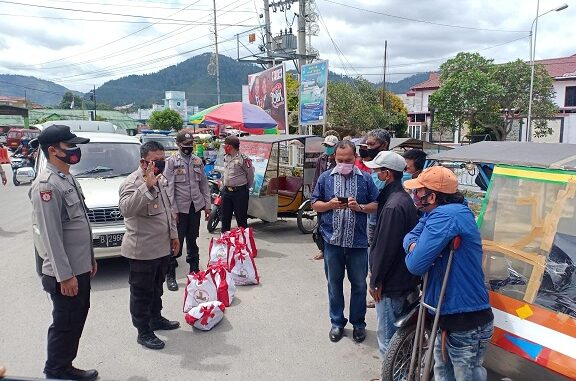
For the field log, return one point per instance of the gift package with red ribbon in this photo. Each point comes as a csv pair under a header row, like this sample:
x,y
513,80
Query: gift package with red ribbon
x,y
242,235
200,288
225,286
242,265
218,250
206,315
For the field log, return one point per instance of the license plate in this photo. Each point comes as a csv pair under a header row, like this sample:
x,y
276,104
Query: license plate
x,y
111,240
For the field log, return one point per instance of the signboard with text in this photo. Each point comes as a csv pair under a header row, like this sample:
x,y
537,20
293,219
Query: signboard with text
x,y
267,90
313,86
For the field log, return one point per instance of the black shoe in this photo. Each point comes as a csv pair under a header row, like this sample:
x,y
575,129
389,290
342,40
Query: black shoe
x,y
74,374
150,340
359,334
336,334
171,283
163,324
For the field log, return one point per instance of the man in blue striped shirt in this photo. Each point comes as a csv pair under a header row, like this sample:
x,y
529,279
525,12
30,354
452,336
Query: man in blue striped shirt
x,y
344,196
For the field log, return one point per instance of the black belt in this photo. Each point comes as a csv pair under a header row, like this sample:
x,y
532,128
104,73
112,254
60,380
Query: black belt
x,y
234,189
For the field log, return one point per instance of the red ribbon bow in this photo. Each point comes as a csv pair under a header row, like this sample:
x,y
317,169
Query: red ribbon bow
x,y
200,276
206,314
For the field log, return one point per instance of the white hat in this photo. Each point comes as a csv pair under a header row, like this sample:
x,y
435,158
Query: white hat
x,y
389,160
330,140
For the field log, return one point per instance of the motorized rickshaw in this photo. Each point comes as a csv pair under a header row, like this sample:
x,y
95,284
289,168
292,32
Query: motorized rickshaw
x,y
528,226
284,171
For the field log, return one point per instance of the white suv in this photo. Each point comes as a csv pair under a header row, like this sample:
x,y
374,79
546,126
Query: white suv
x,y
105,163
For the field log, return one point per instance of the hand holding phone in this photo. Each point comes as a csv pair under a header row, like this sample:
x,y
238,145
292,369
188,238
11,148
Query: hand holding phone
x,y
343,200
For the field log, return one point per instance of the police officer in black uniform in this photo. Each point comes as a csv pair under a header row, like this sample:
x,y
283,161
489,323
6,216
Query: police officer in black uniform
x,y
236,182
60,216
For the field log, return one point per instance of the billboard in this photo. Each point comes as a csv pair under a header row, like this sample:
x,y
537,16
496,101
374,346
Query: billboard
x,y
267,90
313,85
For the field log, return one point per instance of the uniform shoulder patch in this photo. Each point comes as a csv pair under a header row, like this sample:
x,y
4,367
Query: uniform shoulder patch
x,y
247,161
46,195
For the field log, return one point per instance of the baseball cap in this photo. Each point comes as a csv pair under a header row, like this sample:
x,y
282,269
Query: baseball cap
x,y
387,159
184,136
330,140
57,133
437,178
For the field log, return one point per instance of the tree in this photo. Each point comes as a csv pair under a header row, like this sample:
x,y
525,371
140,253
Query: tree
x,y
487,97
166,119
67,101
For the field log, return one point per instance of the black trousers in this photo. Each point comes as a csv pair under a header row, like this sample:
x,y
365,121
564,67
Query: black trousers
x,y
146,289
68,317
189,229
235,202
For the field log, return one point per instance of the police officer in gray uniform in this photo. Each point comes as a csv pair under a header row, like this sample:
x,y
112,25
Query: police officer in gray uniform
x,y
237,180
189,194
60,215
150,240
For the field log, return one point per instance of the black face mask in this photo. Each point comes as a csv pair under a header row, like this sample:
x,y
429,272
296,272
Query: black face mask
x,y
72,155
159,166
186,150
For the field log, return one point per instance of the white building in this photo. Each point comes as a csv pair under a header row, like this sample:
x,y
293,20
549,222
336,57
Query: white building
x,y
176,100
563,70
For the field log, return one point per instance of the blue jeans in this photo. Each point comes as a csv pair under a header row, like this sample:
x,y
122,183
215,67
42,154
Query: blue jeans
x,y
465,353
338,259
388,310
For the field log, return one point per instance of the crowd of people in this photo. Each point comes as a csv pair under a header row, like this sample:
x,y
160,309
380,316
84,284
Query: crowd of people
x,y
384,221
382,216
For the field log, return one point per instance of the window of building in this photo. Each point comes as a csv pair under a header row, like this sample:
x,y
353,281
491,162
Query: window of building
x,y
570,99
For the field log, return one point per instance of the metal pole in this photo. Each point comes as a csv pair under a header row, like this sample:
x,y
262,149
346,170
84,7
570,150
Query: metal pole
x,y
532,54
94,102
267,38
384,76
301,38
217,58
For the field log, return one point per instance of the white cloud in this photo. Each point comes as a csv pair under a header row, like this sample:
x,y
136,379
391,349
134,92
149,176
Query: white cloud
x,y
81,53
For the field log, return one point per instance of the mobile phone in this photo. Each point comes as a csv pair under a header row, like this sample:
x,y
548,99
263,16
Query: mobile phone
x,y
343,200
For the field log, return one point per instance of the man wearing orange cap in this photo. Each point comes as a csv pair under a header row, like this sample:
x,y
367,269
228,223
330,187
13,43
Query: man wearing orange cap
x,y
466,319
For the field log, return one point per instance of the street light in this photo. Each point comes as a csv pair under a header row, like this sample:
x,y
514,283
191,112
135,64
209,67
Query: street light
x,y
532,56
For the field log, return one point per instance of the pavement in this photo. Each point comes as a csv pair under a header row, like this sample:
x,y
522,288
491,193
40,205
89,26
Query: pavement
x,y
277,330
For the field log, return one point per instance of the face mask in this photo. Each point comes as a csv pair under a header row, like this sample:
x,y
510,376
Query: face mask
x,y
420,202
72,155
344,168
227,150
363,152
329,150
159,166
379,183
186,150
406,176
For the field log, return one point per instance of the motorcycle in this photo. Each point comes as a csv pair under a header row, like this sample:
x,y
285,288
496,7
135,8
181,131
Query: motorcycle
x,y
216,198
22,171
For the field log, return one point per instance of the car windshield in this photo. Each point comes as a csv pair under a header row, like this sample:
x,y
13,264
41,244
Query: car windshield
x,y
169,143
107,159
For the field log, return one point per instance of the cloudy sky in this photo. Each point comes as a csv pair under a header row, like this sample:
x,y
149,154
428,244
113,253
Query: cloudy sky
x,y
84,43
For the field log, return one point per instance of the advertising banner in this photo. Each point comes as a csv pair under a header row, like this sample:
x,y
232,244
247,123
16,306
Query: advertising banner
x,y
259,153
313,86
267,90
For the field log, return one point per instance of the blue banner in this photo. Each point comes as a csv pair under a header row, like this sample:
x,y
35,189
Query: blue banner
x,y
313,86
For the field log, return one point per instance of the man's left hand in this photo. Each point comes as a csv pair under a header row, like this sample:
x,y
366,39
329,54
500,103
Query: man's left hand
x,y
94,270
174,246
207,213
376,293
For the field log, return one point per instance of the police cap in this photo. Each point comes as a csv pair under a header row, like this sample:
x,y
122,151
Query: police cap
x,y
58,133
233,141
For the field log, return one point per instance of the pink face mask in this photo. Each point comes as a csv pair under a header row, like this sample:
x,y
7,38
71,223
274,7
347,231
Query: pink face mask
x,y
344,168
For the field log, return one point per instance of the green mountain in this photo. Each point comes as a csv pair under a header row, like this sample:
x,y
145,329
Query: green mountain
x,y
402,86
35,90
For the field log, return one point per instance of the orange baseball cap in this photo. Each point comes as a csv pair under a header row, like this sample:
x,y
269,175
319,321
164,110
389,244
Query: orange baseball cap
x,y
437,178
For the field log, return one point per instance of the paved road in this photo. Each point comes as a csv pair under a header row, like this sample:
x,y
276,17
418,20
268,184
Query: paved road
x,y
275,331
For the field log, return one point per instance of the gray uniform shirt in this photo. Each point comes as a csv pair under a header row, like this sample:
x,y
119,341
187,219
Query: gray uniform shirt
x,y
60,215
148,217
187,183
238,170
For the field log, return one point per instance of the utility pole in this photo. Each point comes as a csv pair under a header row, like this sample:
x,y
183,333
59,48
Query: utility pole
x,y
301,34
217,58
267,33
384,76
94,94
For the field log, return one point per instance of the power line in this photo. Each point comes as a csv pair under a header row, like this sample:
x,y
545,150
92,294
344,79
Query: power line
x,y
116,5
425,21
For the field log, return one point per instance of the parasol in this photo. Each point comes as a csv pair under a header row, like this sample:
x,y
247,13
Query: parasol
x,y
243,116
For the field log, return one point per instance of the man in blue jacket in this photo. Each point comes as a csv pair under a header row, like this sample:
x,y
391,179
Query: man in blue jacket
x,y
465,317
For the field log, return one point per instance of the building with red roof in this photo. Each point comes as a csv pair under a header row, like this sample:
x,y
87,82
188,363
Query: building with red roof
x,y
563,70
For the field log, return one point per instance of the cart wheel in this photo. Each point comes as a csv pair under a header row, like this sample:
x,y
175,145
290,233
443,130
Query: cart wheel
x,y
214,219
396,364
307,218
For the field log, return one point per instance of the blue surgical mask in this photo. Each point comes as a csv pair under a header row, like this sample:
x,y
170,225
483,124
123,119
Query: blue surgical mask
x,y
329,150
406,176
379,183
